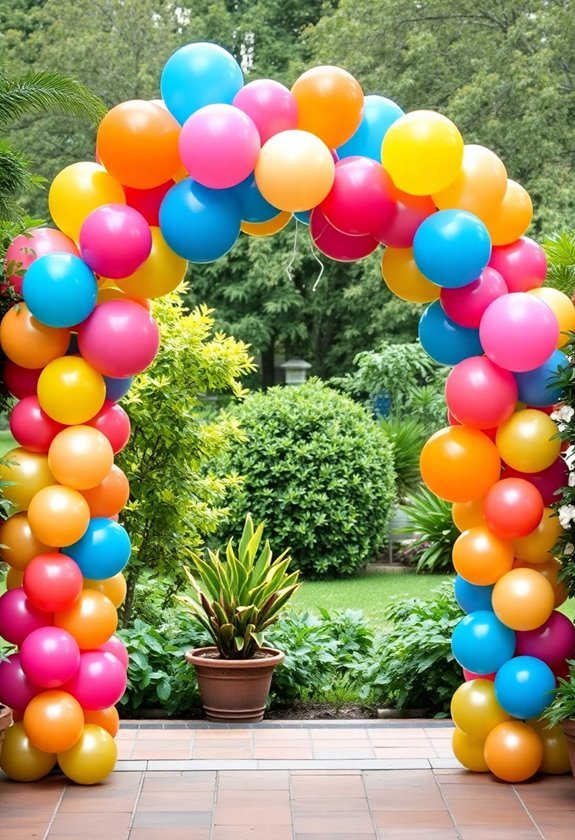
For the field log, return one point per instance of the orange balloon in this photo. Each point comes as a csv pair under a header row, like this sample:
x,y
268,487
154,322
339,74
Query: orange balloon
x,y
513,751
523,599
29,343
268,228
53,721
481,557
467,515
537,547
469,751
330,104
138,144
18,545
460,464
92,619
563,308
77,190
110,496
550,570
29,472
14,578
404,279
480,185
108,719
80,457
113,588
512,217
58,516
162,272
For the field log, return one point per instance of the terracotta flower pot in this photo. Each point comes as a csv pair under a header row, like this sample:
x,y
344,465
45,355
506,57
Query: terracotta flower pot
x,y
234,690
569,732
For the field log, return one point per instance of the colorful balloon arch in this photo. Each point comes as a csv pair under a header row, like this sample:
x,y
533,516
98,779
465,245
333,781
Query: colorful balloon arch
x,y
176,180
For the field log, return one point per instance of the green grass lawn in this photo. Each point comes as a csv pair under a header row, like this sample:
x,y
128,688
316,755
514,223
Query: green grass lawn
x,y
7,442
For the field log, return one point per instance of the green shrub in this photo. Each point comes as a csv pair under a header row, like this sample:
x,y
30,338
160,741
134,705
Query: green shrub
x,y
429,517
407,437
318,471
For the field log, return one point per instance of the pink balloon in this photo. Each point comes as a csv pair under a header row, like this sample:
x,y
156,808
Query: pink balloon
x,y
16,689
518,332
480,394
117,648
553,642
21,382
114,423
50,656
470,675
31,427
52,581
115,240
147,202
26,248
522,264
219,146
362,192
467,304
547,481
99,681
270,105
409,211
339,246
19,617
119,339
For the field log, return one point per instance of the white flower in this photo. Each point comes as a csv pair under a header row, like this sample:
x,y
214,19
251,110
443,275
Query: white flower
x,y
572,479
565,413
569,549
566,514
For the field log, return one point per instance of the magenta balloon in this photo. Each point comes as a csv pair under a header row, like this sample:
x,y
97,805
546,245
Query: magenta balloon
x,y
115,240
117,648
114,423
50,656
553,642
361,198
467,304
16,689
119,339
53,581
270,105
31,427
26,248
99,681
480,394
409,211
21,382
470,675
19,617
336,245
518,332
547,481
522,264
219,146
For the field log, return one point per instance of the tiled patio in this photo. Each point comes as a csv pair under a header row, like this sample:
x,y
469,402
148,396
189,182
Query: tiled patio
x,y
368,780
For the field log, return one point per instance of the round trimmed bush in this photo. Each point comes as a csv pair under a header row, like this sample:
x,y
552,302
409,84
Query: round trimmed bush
x,y
319,472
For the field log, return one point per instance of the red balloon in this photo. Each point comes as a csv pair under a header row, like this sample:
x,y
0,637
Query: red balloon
x,y
31,427
147,202
114,423
470,675
398,231
480,394
547,481
362,192
336,245
513,508
21,382
53,581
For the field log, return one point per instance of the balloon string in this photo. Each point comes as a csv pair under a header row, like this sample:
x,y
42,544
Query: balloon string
x,y
291,262
322,266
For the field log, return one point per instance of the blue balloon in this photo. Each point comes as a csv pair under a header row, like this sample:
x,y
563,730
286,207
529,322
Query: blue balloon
x,y
117,388
451,248
378,114
103,551
471,597
525,686
481,643
198,223
304,216
444,340
197,75
60,290
252,204
536,386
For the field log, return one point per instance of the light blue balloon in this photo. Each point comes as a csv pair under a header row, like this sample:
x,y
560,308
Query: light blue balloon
x,y
535,386
103,551
379,113
471,597
303,216
198,223
444,340
60,290
252,204
197,75
481,643
451,248
117,388
525,687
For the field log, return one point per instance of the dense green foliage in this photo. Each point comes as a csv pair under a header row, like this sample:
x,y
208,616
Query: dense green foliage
x,y
407,437
563,705
560,250
318,471
429,517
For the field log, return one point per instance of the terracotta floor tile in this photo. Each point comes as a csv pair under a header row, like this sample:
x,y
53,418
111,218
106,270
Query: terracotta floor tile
x,y
353,823
175,801
485,793
172,819
343,753
90,825
305,787
182,785
332,804
403,752
253,815
108,804
166,833
255,797
214,736
555,819
284,753
406,800
164,754
386,741
474,812
396,732
221,753
552,833
165,734
526,833
253,780
162,745
225,832
338,734
23,833
398,833
548,797
332,836
413,820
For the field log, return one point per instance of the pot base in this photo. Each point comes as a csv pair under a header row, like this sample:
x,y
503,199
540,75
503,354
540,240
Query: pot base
x,y
569,732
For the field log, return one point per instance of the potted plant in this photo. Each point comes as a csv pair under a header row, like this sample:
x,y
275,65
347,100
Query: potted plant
x,y
562,711
236,600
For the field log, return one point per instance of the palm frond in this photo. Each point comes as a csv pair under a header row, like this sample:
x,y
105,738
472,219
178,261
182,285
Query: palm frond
x,y
46,92
15,178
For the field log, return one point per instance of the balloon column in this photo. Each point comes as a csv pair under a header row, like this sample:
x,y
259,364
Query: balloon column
x,y
177,180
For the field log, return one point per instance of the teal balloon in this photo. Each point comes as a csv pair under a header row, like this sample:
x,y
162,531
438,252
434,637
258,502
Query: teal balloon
x,y
525,686
471,597
451,248
444,340
379,113
252,204
103,551
481,643
60,290
537,387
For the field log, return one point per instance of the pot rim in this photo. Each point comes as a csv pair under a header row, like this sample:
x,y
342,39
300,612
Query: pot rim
x,y
196,656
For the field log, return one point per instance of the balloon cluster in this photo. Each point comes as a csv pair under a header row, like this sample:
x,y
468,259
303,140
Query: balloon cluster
x,y
178,180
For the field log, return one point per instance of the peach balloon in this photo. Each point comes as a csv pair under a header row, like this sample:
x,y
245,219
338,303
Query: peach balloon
x,y
27,342
110,496
523,599
467,515
91,620
80,457
18,545
330,104
58,516
563,308
480,557
480,185
512,217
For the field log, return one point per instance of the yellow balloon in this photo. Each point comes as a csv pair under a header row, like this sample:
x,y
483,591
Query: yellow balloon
x,y
404,279
268,228
29,472
468,515
20,760
161,273
528,441
113,588
77,190
479,186
18,545
422,152
70,391
475,710
563,308
14,578
555,751
469,751
92,758
537,547
295,170
512,217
